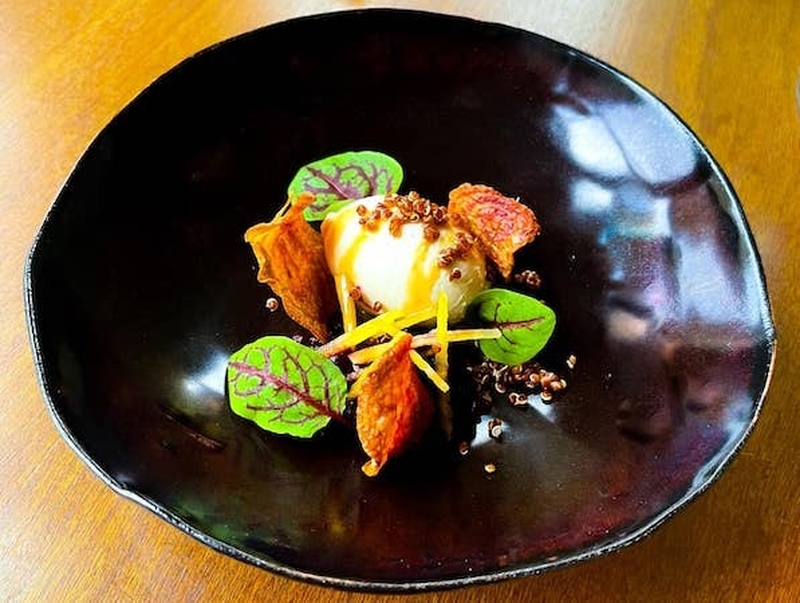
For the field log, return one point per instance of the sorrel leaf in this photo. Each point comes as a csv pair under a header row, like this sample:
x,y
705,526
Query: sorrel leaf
x,y
345,177
285,387
525,324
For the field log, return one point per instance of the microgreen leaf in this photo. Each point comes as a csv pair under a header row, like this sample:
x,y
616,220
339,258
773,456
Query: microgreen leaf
x,y
345,177
525,324
285,387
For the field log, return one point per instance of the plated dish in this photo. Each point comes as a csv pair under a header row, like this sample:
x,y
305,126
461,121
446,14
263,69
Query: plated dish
x,y
383,286
140,286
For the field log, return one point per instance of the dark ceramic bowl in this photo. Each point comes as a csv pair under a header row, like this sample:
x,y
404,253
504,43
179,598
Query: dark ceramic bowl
x,y
139,286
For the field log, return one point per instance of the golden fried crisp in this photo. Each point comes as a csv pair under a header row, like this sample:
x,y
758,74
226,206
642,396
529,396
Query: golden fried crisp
x,y
291,260
394,407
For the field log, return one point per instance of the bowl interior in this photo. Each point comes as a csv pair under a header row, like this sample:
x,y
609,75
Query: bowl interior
x,y
140,286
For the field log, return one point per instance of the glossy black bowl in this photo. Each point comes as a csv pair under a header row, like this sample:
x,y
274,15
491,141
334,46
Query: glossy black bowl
x,y
139,286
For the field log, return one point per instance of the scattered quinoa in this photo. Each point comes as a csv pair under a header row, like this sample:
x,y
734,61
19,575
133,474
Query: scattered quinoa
x,y
571,361
459,250
518,399
404,209
516,382
529,278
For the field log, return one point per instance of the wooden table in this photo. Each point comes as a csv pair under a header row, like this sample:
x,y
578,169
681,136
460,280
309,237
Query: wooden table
x,y
730,68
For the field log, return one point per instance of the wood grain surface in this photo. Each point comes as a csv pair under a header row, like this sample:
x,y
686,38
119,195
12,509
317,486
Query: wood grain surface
x,y
730,68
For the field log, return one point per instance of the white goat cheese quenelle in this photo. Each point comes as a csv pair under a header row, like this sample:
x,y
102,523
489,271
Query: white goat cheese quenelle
x,y
398,253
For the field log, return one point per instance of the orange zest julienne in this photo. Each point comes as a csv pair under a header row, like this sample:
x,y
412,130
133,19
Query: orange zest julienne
x,y
379,325
441,361
371,353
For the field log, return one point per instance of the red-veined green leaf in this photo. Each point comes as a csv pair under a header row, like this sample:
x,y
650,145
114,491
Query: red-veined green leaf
x,y
285,387
525,324
345,177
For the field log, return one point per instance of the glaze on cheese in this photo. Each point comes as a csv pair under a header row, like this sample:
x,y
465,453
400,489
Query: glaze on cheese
x,y
393,266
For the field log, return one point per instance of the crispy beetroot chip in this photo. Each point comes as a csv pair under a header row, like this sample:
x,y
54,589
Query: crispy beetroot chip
x,y
394,407
502,225
291,260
